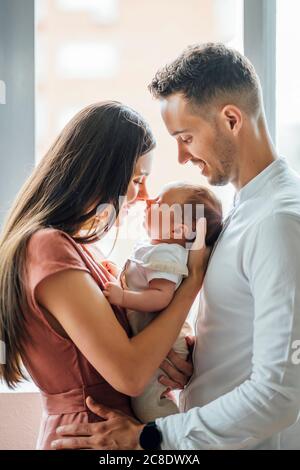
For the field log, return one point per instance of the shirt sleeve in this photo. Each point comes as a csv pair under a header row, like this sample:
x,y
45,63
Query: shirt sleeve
x,y
165,262
48,252
269,400
150,275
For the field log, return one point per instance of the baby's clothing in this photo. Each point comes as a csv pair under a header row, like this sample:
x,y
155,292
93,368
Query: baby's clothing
x,y
162,261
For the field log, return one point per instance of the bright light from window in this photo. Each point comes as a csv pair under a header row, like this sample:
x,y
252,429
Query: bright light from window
x,y
42,123
288,71
231,30
25,386
103,11
84,60
41,10
66,115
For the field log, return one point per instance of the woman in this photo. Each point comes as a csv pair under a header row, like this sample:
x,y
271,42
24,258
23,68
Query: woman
x,y
54,317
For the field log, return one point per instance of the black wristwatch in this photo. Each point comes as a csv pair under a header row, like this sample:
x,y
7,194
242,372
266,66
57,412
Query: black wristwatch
x,y
150,437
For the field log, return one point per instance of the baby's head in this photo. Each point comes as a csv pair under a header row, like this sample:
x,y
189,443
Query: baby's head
x,y
172,216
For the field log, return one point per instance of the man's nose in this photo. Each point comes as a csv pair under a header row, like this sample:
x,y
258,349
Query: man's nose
x,y
183,155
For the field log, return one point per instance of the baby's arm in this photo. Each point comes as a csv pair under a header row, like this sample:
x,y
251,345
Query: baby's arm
x,y
155,298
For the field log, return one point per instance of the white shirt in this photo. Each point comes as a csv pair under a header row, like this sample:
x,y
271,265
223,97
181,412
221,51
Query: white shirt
x,y
148,262
245,390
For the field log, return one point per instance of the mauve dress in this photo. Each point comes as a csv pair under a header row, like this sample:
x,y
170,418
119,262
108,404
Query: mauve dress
x,y
61,372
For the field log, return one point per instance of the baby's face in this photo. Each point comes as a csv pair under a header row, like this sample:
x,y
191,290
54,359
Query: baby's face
x,y
163,215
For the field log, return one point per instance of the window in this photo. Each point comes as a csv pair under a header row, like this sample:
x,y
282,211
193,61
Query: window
x,y
103,12
80,61
2,92
92,50
97,61
288,90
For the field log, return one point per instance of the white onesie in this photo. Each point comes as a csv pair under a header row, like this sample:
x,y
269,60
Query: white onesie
x,y
164,261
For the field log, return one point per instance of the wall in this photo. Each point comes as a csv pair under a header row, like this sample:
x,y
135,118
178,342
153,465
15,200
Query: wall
x,y
20,415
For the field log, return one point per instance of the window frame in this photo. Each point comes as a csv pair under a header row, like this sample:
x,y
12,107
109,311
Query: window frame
x,y
17,65
260,48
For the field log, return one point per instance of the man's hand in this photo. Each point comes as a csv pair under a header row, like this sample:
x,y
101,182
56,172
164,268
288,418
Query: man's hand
x,y
117,432
178,370
114,293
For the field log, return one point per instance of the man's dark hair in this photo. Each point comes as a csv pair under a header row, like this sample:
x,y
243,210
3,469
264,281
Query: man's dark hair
x,y
210,73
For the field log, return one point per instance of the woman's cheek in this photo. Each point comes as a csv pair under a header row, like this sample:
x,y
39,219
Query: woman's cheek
x,y
131,193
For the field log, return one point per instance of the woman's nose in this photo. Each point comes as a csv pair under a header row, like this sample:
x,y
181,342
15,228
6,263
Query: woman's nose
x,y
143,193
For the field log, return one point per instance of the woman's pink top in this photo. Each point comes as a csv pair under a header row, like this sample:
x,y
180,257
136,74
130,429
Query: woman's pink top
x,y
64,376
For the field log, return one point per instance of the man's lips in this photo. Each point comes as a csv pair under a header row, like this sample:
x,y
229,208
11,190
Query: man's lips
x,y
200,163
201,166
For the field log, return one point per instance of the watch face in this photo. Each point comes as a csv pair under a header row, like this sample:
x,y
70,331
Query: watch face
x,y
150,437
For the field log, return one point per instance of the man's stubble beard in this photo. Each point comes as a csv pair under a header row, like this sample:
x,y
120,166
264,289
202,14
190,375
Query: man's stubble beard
x,y
226,154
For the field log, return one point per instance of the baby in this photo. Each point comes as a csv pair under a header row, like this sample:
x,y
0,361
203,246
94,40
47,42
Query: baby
x,y
155,270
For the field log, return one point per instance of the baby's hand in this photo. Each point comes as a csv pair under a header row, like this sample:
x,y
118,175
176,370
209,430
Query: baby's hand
x,y
114,293
111,267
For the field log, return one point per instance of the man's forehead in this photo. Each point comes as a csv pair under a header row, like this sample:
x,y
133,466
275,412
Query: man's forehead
x,y
176,114
174,105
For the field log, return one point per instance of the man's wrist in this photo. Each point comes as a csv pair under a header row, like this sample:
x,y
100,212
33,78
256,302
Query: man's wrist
x,y
150,437
139,432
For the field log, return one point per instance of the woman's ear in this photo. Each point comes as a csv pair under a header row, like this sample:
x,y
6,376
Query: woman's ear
x,y
232,117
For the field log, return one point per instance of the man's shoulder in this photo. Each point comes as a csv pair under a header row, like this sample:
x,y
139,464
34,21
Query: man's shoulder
x,y
279,202
285,194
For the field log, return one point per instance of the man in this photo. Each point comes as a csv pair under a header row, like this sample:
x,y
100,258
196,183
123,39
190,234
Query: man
x,y
244,392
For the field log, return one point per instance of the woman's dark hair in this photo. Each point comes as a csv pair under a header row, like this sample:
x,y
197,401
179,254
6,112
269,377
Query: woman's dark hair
x,y
90,164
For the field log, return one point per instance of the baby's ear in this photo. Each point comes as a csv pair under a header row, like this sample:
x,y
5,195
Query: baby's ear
x,y
103,215
181,231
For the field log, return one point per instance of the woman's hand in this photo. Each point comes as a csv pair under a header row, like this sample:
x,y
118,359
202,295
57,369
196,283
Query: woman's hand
x,y
199,252
178,370
111,267
117,431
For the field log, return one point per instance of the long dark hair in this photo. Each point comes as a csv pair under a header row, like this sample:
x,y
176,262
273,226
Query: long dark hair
x,y
90,163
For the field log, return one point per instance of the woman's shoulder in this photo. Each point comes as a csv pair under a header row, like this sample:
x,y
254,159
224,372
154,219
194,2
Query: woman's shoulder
x,y
46,234
48,252
51,243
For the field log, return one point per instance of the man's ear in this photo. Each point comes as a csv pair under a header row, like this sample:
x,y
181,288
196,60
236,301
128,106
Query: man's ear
x,y
233,118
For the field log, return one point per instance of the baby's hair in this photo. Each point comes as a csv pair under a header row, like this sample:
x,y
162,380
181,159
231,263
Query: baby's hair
x,y
212,210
